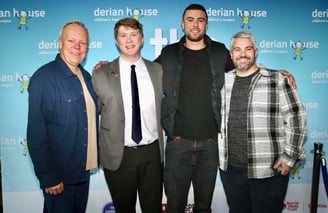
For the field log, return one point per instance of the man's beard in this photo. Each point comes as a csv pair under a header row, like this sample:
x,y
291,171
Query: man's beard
x,y
245,67
194,39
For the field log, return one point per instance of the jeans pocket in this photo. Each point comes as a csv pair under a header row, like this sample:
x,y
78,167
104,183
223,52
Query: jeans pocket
x,y
174,140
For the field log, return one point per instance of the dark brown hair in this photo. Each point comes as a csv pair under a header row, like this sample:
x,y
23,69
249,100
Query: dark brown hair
x,y
195,7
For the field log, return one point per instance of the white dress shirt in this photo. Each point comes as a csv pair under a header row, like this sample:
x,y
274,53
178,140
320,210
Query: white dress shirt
x,y
146,100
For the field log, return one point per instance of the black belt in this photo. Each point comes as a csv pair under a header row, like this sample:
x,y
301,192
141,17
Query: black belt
x,y
142,146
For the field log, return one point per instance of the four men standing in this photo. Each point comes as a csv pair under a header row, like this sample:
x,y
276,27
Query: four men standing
x,y
184,98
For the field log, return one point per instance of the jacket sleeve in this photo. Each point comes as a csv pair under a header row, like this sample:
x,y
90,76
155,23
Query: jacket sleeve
x,y
37,139
295,123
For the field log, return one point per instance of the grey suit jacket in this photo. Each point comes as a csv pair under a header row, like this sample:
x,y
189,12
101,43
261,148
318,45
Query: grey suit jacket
x,y
107,84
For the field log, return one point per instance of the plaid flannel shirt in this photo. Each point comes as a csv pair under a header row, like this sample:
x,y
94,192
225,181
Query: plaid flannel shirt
x,y
276,123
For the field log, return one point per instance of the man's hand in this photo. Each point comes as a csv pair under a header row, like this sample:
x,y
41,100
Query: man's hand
x,y
99,65
284,169
55,190
290,77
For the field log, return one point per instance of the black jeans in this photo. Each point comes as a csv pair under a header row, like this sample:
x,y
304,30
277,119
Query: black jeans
x,y
141,172
186,162
253,195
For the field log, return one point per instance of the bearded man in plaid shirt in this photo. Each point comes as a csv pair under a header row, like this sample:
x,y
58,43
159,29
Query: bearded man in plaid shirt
x,y
262,132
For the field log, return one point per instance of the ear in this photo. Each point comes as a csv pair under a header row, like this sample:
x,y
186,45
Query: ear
x,y
60,44
256,52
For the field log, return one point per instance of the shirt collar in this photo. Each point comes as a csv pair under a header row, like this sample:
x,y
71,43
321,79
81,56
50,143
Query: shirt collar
x,y
137,63
64,68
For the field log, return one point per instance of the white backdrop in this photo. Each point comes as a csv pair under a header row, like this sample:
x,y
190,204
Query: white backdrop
x,y
292,35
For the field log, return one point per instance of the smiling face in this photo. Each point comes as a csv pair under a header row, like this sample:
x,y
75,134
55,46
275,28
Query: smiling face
x,y
129,41
73,45
243,54
194,24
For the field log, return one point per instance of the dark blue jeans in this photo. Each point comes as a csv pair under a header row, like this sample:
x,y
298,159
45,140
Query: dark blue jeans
x,y
73,199
186,162
253,195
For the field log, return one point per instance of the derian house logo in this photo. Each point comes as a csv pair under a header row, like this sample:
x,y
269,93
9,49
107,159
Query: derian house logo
x,y
114,14
229,15
21,17
294,47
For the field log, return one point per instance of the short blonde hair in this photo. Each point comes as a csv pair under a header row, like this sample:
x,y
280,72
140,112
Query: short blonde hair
x,y
74,22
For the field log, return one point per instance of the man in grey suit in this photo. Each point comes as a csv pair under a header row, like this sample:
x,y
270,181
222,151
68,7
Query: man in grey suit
x,y
131,166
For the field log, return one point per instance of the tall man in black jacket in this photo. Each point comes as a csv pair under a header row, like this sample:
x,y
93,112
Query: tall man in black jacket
x,y
193,76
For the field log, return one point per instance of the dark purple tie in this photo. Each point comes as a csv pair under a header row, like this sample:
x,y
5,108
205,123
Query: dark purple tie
x,y
136,121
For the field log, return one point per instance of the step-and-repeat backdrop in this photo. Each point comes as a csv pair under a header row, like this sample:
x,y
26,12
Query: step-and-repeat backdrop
x,y
291,35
